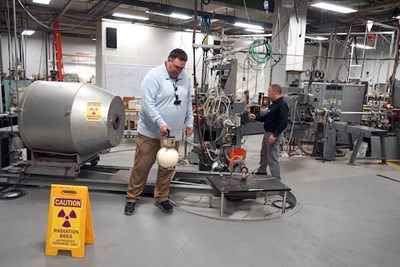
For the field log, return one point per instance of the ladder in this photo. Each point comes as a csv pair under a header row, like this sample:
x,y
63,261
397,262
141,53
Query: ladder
x,y
352,75
353,54
58,51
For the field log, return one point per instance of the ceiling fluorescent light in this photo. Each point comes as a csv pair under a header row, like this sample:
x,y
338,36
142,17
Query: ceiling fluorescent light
x,y
362,46
179,16
128,16
115,21
335,8
172,15
249,26
396,13
28,32
318,38
254,30
44,2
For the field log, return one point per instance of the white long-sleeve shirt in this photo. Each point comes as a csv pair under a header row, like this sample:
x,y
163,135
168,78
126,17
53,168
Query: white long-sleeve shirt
x,y
158,109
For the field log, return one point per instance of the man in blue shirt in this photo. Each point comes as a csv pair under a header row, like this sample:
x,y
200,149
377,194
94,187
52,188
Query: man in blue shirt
x,y
275,122
166,108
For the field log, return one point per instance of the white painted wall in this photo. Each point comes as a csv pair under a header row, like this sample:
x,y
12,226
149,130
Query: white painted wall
x,y
86,66
296,37
143,45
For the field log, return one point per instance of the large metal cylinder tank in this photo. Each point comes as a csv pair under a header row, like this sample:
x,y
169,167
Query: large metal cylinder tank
x,y
70,118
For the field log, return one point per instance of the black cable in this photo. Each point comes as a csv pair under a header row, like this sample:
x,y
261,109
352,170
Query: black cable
x,y
4,187
12,194
123,150
389,178
281,206
287,21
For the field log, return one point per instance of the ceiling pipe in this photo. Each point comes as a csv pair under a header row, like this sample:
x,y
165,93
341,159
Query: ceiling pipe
x,y
17,59
168,8
65,9
377,8
258,5
345,33
385,26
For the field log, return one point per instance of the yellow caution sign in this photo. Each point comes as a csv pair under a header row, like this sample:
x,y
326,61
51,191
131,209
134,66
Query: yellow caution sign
x,y
70,221
93,111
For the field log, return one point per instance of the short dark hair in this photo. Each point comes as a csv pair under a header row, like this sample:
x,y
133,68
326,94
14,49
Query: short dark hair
x,y
178,53
277,88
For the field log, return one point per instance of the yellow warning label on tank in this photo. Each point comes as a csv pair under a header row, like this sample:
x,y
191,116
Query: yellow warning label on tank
x,y
93,111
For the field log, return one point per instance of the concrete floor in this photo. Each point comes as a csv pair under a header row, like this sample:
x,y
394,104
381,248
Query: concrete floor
x,y
348,216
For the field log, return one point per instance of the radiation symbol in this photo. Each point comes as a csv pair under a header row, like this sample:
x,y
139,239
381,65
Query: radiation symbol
x,y
62,214
93,110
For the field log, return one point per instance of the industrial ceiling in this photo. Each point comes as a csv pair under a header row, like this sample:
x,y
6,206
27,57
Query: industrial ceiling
x,y
79,17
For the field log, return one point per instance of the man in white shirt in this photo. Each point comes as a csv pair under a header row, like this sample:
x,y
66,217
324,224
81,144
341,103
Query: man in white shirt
x,y
166,108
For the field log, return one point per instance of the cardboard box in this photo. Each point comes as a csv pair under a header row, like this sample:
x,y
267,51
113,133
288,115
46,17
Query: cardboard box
x,y
126,100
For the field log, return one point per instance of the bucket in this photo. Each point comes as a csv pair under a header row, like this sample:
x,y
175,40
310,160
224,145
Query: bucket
x,y
238,155
362,151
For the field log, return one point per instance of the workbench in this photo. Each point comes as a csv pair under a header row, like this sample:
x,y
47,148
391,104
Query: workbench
x,y
362,131
254,183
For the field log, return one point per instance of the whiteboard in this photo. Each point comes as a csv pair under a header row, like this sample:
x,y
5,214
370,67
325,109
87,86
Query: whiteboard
x,y
124,79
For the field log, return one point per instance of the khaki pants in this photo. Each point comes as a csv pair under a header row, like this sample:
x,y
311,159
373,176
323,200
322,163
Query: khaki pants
x,y
145,156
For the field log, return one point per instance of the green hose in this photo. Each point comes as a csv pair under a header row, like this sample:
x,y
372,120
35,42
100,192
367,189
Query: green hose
x,y
257,56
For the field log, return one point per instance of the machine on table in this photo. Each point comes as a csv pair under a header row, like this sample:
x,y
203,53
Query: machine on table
x,y
8,124
8,92
65,125
320,96
330,116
